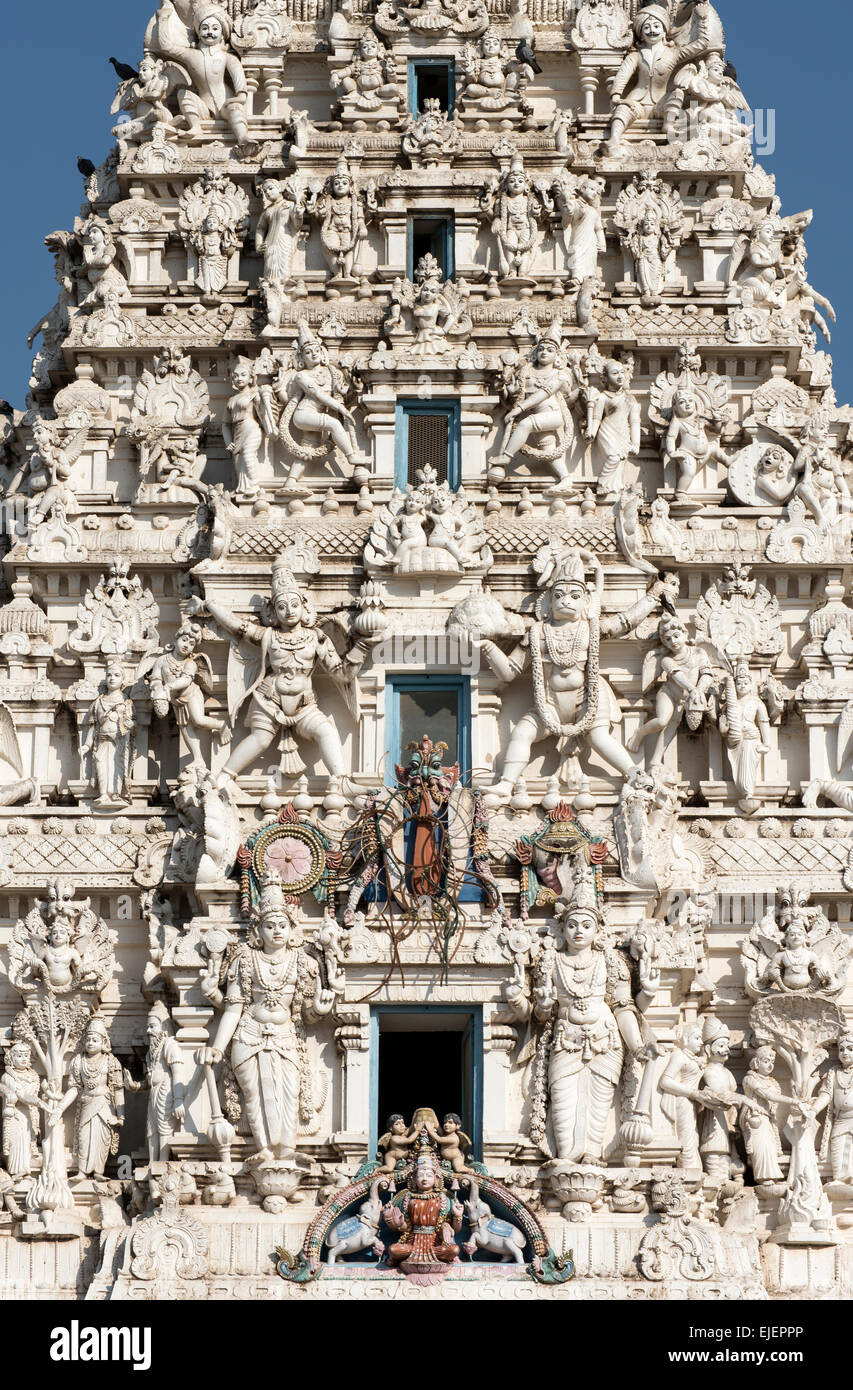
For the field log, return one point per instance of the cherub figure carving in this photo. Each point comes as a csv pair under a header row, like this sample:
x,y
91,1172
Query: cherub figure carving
x,y
395,1142
180,677
455,539
439,311
61,945
795,948
45,471
515,212
711,101
649,217
213,215
342,209
278,676
313,393
196,34
371,80
146,97
453,1143
652,64
108,735
682,676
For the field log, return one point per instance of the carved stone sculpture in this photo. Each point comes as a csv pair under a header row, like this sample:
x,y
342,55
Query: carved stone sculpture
x,y
342,209
371,80
613,424
649,218
117,617
514,212
578,202
689,407
213,216
428,530
542,392
571,700
438,309
170,407
196,36
267,992
651,65
179,678
96,1087
277,235
278,677
490,79
163,1081
108,735
312,394
680,674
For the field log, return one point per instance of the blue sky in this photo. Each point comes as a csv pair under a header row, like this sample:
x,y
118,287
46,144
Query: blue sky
x,y
56,87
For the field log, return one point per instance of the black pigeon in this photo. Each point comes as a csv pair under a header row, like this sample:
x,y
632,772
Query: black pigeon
x,y
86,167
124,70
6,408
730,71
524,53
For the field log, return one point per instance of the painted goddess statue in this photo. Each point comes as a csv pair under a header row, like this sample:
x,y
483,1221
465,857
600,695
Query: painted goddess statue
x,y
267,992
583,989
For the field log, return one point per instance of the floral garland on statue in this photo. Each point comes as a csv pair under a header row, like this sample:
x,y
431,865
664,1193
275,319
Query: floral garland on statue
x,y
542,704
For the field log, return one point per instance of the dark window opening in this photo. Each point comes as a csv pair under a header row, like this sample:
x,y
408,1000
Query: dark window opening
x,y
431,236
429,1057
430,81
427,433
433,712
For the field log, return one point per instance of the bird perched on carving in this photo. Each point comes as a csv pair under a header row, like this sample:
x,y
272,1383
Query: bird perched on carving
x,y
525,54
124,71
86,167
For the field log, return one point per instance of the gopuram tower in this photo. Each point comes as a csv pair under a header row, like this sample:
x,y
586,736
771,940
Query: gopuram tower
x,y
426,679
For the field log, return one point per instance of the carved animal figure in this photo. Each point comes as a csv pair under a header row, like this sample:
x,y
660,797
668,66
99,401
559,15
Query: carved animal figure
x,y
489,1232
354,1233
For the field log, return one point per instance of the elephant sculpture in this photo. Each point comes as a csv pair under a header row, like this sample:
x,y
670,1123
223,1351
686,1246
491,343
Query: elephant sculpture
x,y
354,1233
489,1232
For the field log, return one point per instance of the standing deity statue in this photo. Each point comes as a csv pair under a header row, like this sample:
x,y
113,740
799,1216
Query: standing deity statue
x,y
582,990
836,1096
312,395
652,64
717,1095
342,210
543,391
96,1086
19,1090
571,699
515,211
180,677
744,723
212,218
267,992
276,238
613,423
649,218
278,677
248,421
164,1083
196,35
678,1086
579,205
758,1120
108,734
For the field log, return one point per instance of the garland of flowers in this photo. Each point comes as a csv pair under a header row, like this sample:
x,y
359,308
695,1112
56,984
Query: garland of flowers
x,y
542,704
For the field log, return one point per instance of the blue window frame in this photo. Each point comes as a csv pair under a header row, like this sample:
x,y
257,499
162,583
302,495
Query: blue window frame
x,y
430,1019
431,77
409,446
431,233
443,701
